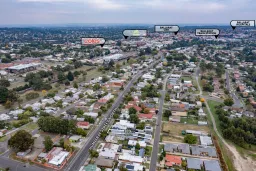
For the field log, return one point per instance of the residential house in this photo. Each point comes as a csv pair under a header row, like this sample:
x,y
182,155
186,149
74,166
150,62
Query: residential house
x,y
145,117
102,162
171,160
194,163
127,157
177,148
83,125
57,156
205,140
75,138
203,151
212,165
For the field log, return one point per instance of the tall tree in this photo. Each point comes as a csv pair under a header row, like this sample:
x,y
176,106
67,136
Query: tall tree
x,y
70,76
21,141
4,83
3,94
48,144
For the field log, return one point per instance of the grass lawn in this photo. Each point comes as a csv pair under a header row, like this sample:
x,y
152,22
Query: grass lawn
x,y
186,78
30,127
165,118
212,105
189,120
147,165
4,138
160,147
175,129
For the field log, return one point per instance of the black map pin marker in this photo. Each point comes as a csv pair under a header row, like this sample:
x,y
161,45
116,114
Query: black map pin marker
x,y
242,23
208,32
167,28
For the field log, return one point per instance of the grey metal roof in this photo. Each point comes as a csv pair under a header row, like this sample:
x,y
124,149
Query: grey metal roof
x,y
193,163
203,151
181,148
212,165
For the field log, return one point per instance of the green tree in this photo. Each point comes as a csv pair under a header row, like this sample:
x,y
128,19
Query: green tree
x,y
190,139
70,76
104,134
94,153
75,85
115,116
21,141
229,101
104,79
167,113
61,76
48,144
134,119
4,83
3,94
137,146
132,110
81,132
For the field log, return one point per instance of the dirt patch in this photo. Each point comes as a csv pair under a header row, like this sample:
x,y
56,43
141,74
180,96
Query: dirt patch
x,y
175,129
172,139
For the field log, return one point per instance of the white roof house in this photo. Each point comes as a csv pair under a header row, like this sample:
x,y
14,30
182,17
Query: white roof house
x,y
133,143
130,158
16,112
108,154
148,77
205,140
59,158
36,106
4,117
126,124
50,101
92,114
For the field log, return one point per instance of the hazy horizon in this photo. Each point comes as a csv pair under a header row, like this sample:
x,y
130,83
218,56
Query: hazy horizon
x,y
62,12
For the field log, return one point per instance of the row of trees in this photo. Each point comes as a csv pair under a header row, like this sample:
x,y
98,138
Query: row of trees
x,y
219,69
241,131
57,125
8,96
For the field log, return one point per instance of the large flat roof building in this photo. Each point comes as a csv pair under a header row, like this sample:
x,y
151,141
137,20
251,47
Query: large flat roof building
x,y
22,68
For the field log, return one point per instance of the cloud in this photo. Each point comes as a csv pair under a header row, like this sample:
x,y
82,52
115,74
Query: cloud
x,y
97,4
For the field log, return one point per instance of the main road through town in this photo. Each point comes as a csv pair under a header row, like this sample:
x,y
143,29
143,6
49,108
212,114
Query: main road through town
x,y
154,155
83,153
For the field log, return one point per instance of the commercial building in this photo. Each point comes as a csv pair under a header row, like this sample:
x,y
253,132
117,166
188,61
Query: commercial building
x,y
22,68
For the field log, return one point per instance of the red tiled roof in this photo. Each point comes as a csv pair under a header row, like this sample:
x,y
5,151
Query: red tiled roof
x,y
82,123
134,106
102,100
171,160
145,116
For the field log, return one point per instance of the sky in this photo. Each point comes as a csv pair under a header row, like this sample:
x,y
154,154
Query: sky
x,y
34,12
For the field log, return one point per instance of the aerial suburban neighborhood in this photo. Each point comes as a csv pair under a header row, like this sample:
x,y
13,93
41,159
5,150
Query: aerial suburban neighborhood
x,y
163,102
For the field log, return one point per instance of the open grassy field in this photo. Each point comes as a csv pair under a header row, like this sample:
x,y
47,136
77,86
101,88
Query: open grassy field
x,y
186,78
177,128
177,139
212,104
189,120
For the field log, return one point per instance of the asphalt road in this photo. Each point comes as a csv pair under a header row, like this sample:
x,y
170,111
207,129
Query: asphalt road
x,y
154,154
237,102
83,153
18,166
